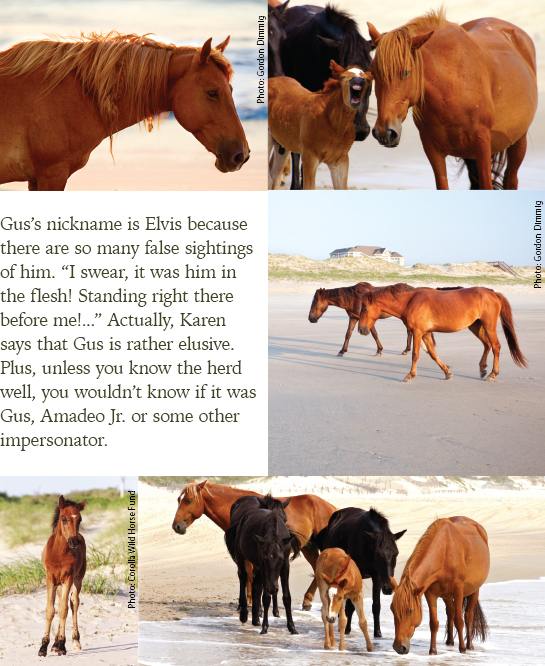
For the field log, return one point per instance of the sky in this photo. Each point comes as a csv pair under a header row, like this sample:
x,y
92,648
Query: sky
x,y
30,485
425,227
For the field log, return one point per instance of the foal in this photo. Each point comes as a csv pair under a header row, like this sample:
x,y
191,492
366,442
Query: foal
x,y
339,579
319,125
64,559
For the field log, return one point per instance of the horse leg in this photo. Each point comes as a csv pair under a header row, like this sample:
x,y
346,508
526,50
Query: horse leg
x,y
64,597
276,612
358,604
376,605
49,615
74,605
351,326
266,604
349,609
490,330
417,339
449,605
375,338
310,166
53,178
434,620
242,597
342,628
339,174
257,591
295,172
477,329
515,155
250,572
483,158
459,616
286,596
311,555
408,347
470,607
278,163
325,612
437,161
432,353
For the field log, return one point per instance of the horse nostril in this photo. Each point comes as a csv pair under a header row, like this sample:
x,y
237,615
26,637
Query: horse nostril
x,y
240,157
391,135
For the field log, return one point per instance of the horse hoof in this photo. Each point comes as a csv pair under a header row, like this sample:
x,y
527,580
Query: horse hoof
x,y
263,631
407,380
276,613
483,374
449,376
42,653
256,623
378,634
76,648
490,378
307,607
432,651
449,643
463,650
293,631
341,354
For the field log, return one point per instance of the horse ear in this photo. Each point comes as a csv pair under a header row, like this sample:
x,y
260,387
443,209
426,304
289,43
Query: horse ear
x,y
259,539
81,505
370,298
281,9
399,534
371,535
330,43
221,47
343,583
393,583
205,52
285,504
62,503
420,40
336,70
202,484
374,34
327,579
418,591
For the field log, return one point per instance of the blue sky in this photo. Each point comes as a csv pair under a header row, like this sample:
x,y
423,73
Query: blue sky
x,y
29,485
425,227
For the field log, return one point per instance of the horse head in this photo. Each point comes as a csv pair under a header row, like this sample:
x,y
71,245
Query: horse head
x,y
273,549
385,552
354,83
268,502
406,607
201,99
67,519
318,307
370,312
190,506
277,37
398,72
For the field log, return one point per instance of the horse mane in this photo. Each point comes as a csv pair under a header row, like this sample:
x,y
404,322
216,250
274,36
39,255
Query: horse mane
x,y
393,290
394,54
106,65
404,598
383,525
57,513
343,567
340,18
329,87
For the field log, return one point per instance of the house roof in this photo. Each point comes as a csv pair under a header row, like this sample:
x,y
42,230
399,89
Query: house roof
x,y
396,254
368,250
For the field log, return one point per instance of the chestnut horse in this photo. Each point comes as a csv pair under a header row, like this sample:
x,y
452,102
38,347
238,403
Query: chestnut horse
x,y
307,515
64,559
318,125
451,560
339,579
426,310
60,99
472,88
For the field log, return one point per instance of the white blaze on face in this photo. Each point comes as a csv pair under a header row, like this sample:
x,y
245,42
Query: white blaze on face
x,y
181,498
332,591
74,515
356,71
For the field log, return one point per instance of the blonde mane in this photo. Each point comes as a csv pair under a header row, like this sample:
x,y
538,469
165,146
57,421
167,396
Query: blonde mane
x,y
395,56
404,598
107,65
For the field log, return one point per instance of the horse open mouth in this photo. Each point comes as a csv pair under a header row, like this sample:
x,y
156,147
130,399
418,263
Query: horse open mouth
x,y
356,91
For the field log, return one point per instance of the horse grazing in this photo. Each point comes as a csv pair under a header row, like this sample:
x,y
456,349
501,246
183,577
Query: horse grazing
x,y
307,516
262,538
339,579
367,538
426,310
472,88
60,99
451,560
277,37
314,37
319,125
65,562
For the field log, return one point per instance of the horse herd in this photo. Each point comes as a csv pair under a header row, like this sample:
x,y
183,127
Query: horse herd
x,y
424,311
263,534
472,89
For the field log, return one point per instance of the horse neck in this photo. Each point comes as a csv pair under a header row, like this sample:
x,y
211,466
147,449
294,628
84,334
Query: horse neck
x,y
339,115
218,501
426,570
335,299
394,306
60,543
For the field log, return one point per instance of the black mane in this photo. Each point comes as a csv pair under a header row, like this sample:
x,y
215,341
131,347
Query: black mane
x,y
341,19
57,513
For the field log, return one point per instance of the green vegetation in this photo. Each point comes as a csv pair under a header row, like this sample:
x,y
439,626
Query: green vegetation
x,y
161,481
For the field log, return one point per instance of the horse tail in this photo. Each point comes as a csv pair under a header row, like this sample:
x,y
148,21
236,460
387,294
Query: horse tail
x,y
295,544
479,627
320,537
499,160
230,539
508,325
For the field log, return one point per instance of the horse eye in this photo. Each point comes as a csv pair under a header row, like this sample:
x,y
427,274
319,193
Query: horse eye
x,y
64,519
188,501
410,612
213,94
405,75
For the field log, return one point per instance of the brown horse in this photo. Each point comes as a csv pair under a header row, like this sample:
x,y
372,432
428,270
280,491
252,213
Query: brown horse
x,y
64,559
472,88
349,299
339,579
60,99
318,125
426,310
307,515
451,560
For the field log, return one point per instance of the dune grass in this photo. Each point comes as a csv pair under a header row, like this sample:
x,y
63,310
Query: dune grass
x,y
162,481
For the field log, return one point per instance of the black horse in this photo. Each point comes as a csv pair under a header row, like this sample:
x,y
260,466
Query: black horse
x,y
262,538
277,37
314,37
366,537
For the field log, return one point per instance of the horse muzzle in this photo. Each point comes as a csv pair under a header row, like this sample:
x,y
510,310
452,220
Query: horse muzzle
x,y
73,542
313,320
331,619
402,647
179,527
231,158
387,589
364,330
389,137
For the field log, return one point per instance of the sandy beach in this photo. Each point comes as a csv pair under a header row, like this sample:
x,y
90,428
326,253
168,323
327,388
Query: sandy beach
x,y
193,575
